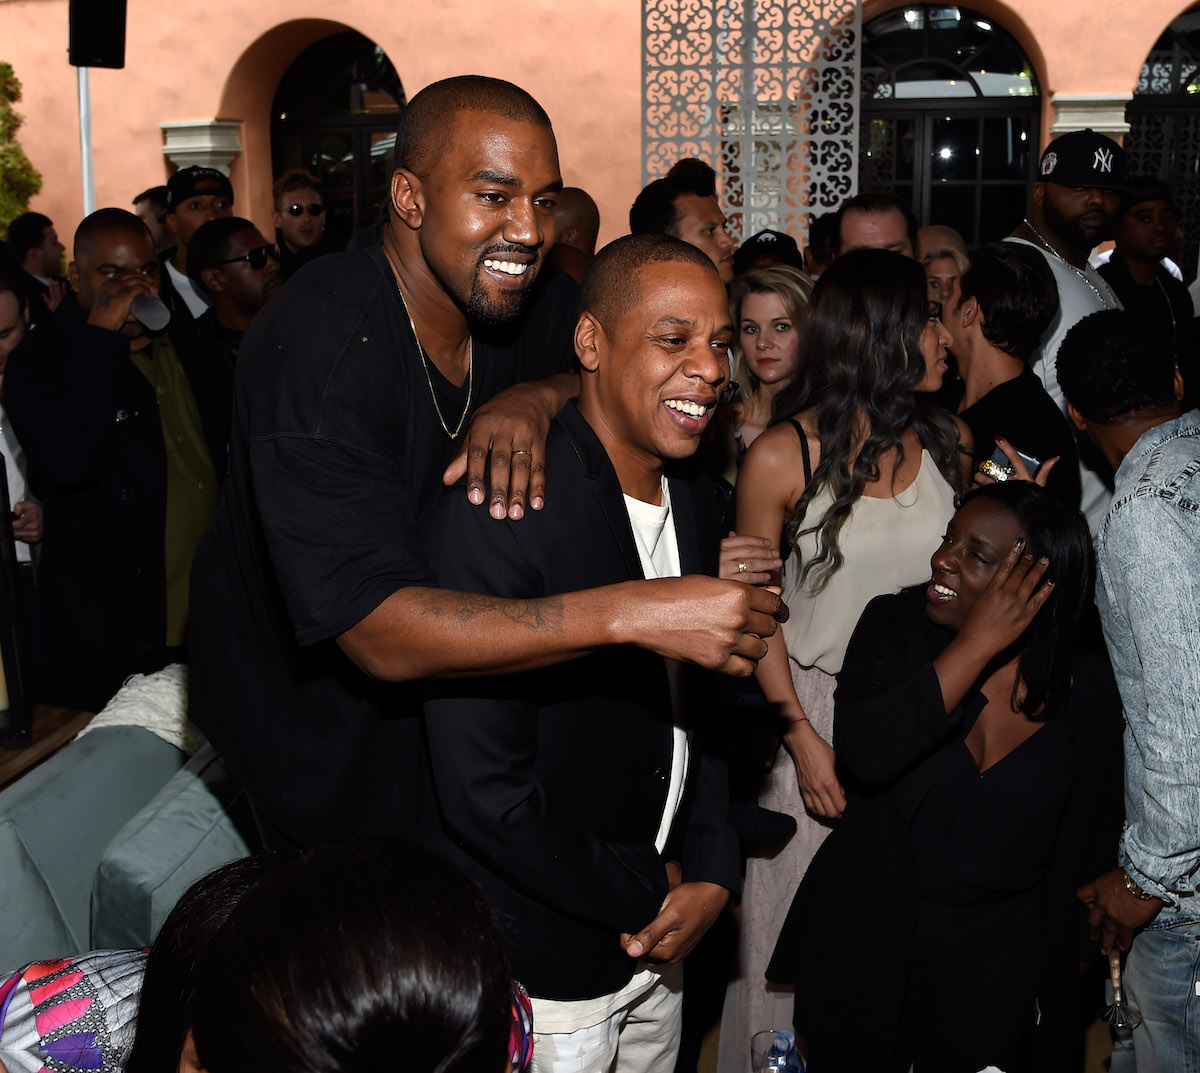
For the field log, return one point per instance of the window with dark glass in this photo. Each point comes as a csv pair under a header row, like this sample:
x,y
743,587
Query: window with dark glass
x,y
335,113
950,118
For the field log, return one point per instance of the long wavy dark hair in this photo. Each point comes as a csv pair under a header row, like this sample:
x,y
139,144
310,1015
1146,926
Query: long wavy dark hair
x,y
1060,533
860,363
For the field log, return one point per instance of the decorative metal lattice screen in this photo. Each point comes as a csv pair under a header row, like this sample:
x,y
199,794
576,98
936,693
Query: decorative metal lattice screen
x,y
1164,126
764,90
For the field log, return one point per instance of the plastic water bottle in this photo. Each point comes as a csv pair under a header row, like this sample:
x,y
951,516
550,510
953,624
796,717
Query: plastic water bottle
x,y
781,1056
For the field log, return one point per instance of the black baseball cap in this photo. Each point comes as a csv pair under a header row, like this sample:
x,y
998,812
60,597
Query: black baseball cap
x,y
1084,158
768,243
188,182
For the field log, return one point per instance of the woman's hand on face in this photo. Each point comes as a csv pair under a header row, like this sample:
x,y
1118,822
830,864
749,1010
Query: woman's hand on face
x,y
750,559
1020,470
1007,606
815,771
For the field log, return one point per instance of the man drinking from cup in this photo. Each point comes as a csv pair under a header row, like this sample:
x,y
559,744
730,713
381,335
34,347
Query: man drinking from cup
x,y
125,437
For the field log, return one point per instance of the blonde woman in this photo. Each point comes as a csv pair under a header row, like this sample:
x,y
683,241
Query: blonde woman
x,y
767,307
943,268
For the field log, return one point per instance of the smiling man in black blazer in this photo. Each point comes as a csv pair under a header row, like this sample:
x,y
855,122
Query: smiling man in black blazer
x,y
589,799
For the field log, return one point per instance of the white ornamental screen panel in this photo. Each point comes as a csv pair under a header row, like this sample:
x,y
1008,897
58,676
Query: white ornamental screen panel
x,y
767,92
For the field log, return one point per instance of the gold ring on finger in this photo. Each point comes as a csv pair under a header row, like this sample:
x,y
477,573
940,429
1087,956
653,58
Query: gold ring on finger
x,y
997,472
742,566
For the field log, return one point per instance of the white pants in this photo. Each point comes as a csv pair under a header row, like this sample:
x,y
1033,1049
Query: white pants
x,y
641,1037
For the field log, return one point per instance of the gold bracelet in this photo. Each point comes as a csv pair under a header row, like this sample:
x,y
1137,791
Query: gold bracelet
x,y
1134,889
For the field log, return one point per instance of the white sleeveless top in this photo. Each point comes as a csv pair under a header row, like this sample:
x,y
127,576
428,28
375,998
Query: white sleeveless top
x,y
886,543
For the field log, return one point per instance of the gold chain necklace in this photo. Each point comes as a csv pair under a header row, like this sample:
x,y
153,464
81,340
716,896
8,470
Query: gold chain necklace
x,y
429,380
1170,307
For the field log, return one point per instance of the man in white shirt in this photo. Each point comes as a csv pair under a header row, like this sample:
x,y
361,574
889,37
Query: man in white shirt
x,y
1071,211
589,799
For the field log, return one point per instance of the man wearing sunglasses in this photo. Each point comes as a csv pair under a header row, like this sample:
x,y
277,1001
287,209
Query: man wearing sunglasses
x,y
299,220
237,270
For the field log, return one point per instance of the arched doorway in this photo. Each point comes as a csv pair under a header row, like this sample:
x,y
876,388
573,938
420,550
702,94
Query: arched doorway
x,y
335,114
1164,125
950,118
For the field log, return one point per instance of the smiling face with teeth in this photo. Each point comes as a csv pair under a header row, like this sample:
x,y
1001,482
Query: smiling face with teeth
x,y
977,539
653,373
485,212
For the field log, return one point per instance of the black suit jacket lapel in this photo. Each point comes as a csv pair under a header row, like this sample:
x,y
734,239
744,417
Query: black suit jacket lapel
x,y
603,478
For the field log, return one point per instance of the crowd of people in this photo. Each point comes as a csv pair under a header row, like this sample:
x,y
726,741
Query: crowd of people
x,y
843,602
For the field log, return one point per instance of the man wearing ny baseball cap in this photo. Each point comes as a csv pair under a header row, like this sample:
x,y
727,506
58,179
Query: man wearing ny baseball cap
x,y
195,195
1072,210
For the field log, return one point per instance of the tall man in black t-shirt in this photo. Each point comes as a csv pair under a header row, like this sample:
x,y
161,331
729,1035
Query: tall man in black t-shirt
x,y
357,385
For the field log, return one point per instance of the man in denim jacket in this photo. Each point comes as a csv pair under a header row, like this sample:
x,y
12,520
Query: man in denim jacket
x,y
1125,394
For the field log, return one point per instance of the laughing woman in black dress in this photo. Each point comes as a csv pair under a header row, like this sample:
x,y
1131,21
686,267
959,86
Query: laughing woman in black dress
x,y
982,742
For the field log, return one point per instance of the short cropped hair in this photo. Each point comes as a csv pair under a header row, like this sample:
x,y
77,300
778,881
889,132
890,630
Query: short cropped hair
x,y
612,285
1016,293
427,122
875,203
157,196
653,211
290,180
211,244
26,232
110,221
1108,367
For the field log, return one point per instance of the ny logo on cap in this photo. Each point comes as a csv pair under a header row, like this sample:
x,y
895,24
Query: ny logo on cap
x,y
1103,160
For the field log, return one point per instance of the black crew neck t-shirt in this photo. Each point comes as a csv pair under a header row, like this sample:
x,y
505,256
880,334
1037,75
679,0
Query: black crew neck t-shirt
x,y
1022,411
336,454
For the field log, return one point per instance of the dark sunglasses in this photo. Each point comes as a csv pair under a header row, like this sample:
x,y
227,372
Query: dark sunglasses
x,y
257,257
315,209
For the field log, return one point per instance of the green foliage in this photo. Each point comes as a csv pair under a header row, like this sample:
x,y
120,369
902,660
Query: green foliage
x,y
19,179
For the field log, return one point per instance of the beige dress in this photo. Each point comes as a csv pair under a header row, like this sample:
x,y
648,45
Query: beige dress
x,y
887,544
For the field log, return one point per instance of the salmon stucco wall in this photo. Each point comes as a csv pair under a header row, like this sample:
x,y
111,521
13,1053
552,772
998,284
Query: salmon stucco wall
x,y
224,60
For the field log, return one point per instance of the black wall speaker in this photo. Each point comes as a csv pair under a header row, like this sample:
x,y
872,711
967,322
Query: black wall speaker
x,y
97,33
